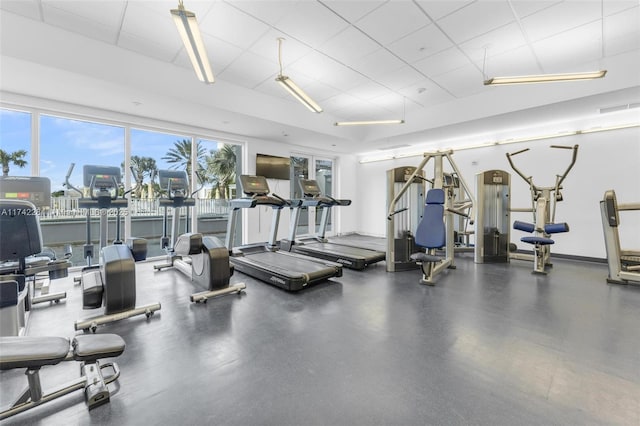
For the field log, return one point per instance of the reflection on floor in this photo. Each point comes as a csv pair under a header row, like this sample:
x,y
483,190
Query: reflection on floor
x,y
489,345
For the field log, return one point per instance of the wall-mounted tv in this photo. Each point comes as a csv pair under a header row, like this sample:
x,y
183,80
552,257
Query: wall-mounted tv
x,y
273,167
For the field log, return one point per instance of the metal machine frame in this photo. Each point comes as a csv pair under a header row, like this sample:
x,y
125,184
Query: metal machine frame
x,y
544,201
624,265
464,208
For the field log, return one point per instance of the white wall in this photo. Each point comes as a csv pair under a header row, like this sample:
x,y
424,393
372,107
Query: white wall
x,y
606,160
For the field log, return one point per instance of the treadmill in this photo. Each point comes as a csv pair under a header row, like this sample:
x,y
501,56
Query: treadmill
x,y
266,262
351,257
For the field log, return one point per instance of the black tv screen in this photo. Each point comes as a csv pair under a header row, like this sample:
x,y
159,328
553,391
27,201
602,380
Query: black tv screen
x,y
273,167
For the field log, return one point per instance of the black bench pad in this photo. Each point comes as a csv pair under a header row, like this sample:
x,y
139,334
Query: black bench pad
x,y
31,352
90,348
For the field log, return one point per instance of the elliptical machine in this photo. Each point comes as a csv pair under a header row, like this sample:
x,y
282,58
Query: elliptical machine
x,y
203,259
112,283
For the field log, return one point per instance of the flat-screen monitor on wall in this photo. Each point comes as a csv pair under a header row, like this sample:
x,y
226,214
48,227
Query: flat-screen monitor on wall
x,y
273,167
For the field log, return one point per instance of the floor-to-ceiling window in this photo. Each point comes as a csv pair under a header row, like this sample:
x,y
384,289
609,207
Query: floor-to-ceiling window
x,y
308,167
220,166
151,152
15,150
63,142
46,144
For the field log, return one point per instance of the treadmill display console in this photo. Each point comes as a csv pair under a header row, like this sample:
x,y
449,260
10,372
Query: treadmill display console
x,y
309,187
254,185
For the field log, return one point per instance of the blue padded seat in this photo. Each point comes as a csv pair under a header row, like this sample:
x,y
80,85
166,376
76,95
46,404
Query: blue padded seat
x,y
431,232
537,240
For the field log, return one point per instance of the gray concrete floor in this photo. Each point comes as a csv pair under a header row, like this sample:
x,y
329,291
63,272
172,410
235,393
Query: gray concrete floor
x,y
488,345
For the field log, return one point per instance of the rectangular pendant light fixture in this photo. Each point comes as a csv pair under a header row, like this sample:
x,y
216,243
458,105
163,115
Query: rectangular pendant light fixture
x,y
367,122
293,88
298,93
187,25
544,78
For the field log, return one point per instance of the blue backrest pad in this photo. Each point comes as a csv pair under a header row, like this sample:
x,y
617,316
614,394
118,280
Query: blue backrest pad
x,y
431,232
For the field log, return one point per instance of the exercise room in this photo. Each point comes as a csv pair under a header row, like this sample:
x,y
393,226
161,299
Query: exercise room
x,y
320,212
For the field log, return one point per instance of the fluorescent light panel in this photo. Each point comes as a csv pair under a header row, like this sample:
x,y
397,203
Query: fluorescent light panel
x,y
187,25
544,78
374,158
367,122
298,93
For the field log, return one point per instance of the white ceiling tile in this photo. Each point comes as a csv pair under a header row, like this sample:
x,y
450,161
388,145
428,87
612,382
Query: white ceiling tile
x,y
612,7
377,64
425,93
462,82
320,67
464,24
525,8
494,42
220,54
559,18
348,46
622,32
392,102
445,61
267,47
352,10
514,62
345,78
340,101
106,13
150,47
311,23
269,12
27,8
321,91
104,30
233,26
159,34
400,78
421,44
570,49
316,65
368,90
392,21
439,9
248,70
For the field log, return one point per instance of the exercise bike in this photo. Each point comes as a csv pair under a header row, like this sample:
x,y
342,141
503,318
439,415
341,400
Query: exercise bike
x,y
544,200
111,283
204,259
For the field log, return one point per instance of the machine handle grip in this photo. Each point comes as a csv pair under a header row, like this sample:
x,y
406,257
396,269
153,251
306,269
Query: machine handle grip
x,y
396,212
519,152
287,202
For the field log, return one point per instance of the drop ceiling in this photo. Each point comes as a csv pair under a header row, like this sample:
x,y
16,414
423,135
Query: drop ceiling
x,y
421,60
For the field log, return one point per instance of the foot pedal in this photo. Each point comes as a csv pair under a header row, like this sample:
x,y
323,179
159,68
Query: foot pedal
x,y
96,392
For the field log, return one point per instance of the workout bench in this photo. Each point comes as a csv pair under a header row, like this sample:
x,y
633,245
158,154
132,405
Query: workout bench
x,y
33,353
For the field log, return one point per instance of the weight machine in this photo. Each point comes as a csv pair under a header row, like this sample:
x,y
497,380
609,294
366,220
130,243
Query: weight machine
x,y
436,229
544,201
624,265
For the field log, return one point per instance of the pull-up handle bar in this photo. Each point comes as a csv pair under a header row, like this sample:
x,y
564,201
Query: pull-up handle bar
x,y
573,161
68,184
